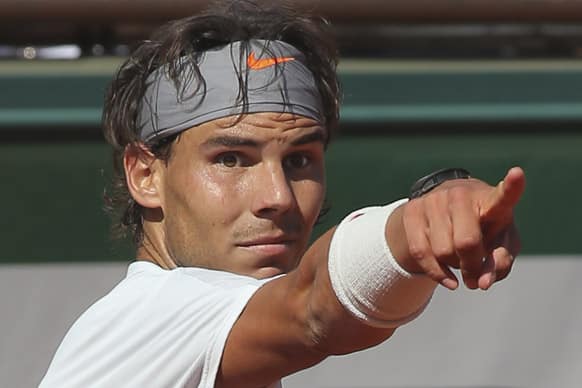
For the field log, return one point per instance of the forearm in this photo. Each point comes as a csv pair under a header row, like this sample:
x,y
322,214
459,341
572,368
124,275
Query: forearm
x,y
331,328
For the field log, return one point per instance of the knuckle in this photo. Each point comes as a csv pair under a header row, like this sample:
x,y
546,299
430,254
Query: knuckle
x,y
412,208
434,198
458,194
469,242
417,251
443,251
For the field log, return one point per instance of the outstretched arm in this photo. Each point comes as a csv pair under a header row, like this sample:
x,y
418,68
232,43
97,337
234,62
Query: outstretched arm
x,y
297,320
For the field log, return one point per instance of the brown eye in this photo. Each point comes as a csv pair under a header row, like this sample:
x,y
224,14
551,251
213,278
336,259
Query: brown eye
x,y
228,160
297,161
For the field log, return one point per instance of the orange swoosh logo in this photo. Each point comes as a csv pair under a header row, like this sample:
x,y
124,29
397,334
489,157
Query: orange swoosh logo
x,y
258,64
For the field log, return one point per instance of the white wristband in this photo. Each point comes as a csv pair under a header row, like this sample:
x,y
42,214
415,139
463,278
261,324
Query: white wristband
x,y
366,278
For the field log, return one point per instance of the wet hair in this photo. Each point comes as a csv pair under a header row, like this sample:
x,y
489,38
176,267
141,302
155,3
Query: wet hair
x,y
223,23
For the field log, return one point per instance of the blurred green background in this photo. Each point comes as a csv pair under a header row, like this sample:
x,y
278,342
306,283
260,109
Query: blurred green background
x,y
401,120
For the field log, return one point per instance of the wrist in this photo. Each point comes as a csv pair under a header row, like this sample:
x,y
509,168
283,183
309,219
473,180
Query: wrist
x,y
398,242
365,276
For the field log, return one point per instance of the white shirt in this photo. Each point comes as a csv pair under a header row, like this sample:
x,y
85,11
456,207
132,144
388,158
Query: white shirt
x,y
156,328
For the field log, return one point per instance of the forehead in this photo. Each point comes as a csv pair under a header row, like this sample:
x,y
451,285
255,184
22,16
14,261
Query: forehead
x,y
262,127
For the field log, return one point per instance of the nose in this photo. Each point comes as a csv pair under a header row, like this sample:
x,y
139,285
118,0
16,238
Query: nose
x,y
273,192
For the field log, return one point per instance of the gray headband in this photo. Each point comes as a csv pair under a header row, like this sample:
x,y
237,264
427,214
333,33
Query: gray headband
x,y
276,77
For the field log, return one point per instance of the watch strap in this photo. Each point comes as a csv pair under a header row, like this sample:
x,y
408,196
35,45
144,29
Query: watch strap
x,y
432,180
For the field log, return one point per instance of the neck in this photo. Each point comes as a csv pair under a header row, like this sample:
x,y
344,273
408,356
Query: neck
x,y
152,249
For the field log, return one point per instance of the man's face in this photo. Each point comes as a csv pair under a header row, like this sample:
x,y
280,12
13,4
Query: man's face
x,y
244,198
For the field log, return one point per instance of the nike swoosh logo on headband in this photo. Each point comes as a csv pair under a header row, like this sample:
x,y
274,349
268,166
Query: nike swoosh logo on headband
x,y
258,64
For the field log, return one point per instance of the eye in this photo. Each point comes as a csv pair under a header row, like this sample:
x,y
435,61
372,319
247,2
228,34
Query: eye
x,y
297,161
228,159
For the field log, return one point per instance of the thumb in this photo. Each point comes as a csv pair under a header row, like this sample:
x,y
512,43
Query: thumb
x,y
498,206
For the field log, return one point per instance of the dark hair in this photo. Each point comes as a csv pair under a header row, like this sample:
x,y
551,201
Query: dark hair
x,y
221,24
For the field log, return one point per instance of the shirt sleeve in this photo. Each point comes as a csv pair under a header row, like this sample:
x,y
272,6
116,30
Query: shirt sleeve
x,y
216,346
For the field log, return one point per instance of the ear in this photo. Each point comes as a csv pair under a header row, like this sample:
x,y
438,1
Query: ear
x,y
143,175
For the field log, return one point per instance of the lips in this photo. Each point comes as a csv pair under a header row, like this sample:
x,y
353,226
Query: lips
x,y
266,241
268,245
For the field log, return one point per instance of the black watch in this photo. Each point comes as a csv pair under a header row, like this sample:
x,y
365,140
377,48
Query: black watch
x,y
432,180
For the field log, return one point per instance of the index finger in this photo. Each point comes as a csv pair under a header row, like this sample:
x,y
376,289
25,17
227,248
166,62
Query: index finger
x,y
504,197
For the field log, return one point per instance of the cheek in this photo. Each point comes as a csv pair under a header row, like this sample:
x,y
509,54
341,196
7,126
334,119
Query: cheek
x,y
200,208
310,196
217,196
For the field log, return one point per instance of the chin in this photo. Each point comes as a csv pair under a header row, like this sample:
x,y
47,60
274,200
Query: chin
x,y
267,272
265,261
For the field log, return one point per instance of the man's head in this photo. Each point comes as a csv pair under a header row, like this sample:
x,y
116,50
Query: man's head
x,y
243,185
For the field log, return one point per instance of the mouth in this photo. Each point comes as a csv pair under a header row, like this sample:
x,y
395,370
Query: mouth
x,y
269,246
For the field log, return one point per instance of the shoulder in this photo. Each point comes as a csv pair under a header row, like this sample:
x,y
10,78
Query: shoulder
x,y
142,274
219,280
185,288
183,315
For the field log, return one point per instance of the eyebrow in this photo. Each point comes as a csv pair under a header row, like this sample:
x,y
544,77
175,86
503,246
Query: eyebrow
x,y
313,137
230,141
237,141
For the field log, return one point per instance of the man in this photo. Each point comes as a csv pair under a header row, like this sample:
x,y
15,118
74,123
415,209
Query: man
x,y
219,125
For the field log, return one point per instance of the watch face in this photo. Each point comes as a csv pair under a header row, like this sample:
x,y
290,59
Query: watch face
x,y
432,180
